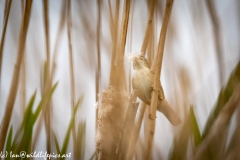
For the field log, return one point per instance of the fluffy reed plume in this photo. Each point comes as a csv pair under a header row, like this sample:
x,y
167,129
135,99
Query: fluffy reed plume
x,y
112,107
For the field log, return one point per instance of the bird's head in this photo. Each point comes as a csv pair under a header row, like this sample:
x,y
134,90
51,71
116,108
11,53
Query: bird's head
x,y
139,62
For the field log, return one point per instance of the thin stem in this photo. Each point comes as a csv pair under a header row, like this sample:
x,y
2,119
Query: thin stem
x,y
23,86
157,69
128,125
55,54
120,76
142,106
7,8
23,75
218,40
15,78
72,79
136,131
48,110
149,26
98,72
114,26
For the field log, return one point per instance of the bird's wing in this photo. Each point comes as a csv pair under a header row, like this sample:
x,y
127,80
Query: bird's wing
x,y
160,91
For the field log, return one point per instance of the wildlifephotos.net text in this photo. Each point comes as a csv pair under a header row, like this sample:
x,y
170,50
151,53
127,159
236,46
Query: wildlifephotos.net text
x,y
35,154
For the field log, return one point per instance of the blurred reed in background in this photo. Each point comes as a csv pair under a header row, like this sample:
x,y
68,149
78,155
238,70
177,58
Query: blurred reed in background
x,y
54,52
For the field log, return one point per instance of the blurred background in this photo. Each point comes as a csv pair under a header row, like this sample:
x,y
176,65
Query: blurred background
x,y
202,49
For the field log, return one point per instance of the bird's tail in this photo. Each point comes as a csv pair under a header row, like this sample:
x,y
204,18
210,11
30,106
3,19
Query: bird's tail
x,y
169,113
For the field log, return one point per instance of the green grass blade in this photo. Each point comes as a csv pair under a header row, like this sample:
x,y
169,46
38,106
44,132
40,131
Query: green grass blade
x,y
217,145
81,133
57,144
233,147
223,97
17,139
26,138
9,140
18,142
28,111
195,128
180,142
70,126
25,133
45,98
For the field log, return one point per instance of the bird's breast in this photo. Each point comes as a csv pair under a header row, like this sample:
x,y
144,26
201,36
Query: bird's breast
x,y
142,83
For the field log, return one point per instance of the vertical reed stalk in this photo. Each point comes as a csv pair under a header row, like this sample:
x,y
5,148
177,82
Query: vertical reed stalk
x,y
98,73
23,85
55,53
218,40
111,20
46,27
22,5
149,26
129,50
98,69
71,62
136,131
15,78
124,28
131,111
157,69
23,75
120,76
7,8
128,125
145,43
72,77
148,38
114,25
48,108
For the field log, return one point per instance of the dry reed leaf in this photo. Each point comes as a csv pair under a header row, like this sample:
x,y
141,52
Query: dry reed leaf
x,y
221,122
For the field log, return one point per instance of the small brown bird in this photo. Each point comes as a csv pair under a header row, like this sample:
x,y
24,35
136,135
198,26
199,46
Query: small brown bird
x,y
142,83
